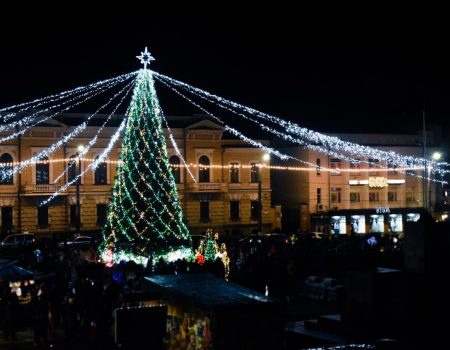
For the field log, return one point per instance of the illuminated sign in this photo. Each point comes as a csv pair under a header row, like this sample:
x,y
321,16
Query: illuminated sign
x,y
377,181
383,210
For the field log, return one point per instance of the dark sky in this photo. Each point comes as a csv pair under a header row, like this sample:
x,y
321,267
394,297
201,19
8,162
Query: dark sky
x,y
323,78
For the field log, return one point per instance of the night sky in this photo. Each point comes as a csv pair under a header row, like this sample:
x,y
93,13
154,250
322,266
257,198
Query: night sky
x,y
317,78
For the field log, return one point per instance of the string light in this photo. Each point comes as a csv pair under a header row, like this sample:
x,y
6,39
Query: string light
x,y
24,123
94,164
42,100
321,139
64,140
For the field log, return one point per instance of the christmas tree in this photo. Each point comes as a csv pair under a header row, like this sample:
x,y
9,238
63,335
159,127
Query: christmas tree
x,y
145,218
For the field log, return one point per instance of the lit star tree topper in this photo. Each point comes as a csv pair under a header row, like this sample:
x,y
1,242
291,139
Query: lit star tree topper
x,y
145,57
145,217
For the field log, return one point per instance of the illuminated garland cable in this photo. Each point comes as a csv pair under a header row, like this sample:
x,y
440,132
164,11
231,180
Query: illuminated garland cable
x,y
53,98
315,137
94,164
177,150
38,100
94,139
65,139
311,146
88,95
236,132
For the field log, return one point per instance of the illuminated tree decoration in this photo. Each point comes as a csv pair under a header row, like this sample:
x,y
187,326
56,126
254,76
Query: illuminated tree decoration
x,y
145,218
211,246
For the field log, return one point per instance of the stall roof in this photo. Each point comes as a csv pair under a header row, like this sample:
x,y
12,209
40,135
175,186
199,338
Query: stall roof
x,y
206,289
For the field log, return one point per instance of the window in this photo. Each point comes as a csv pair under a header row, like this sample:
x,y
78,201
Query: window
x,y
72,171
410,195
373,163
203,172
374,196
354,197
318,167
254,210
234,173
5,178
101,173
319,195
73,215
43,216
204,211
392,168
42,172
254,173
176,170
355,164
410,164
392,196
335,195
234,210
335,165
101,214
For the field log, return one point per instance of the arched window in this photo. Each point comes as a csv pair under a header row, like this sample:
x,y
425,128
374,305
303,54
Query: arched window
x,y
203,171
42,172
5,177
176,171
72,171
101,173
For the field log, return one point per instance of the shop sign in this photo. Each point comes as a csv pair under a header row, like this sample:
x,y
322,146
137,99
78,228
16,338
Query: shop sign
x,y
377,181
383,210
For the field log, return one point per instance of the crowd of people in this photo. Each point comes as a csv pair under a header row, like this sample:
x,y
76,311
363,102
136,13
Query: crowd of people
x,y
76,298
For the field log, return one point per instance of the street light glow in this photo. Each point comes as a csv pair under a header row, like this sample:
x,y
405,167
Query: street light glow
x,y
436,155
80,148
266,157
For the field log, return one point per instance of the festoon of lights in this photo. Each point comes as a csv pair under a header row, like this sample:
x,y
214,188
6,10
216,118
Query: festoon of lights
x,y
312,138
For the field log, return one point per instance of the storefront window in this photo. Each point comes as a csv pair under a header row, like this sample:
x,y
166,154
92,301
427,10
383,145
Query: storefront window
x,y
338,225
358,224
376,223
412,217
395,223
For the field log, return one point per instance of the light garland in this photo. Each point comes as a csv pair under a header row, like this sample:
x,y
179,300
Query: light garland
x,y
64,140
94,164
318,138
43,100
24,124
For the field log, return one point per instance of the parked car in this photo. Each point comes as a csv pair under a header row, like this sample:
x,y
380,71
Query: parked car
x,y
18,240
80,242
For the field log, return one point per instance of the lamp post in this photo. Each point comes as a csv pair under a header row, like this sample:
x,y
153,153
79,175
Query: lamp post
x,y
435,156
265,158
78,212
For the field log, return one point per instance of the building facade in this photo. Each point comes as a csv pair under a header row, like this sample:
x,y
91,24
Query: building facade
x,y
223,193
366,196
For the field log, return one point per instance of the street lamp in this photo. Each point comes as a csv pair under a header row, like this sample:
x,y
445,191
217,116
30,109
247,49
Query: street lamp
x,y
265,158
436,155
78,212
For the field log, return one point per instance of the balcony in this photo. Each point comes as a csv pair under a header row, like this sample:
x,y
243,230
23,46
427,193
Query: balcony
x,y
30,189
207,187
